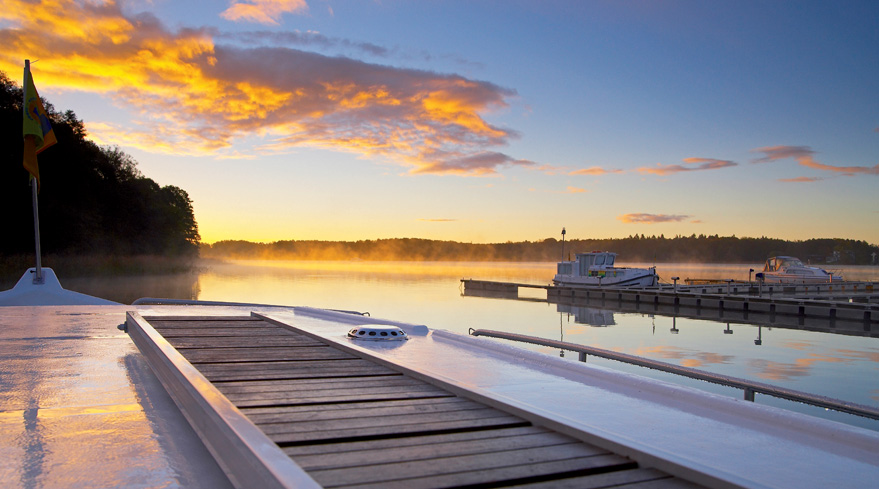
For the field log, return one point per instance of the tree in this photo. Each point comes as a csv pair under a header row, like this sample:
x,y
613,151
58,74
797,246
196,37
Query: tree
x,y
93,200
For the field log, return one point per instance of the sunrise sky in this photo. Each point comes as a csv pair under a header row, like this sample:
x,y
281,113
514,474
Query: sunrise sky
x,y
482,121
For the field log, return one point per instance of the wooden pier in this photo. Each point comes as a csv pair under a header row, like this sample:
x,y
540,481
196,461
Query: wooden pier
x,y
850,301
345,420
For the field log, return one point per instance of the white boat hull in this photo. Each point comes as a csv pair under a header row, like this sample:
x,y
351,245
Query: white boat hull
x,y
622,279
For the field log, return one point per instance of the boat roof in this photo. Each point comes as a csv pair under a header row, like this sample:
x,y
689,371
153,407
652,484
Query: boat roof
x,y
80,405
588,253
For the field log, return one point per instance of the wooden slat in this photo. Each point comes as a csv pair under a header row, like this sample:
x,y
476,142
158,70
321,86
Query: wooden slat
x,y
223,332
234,355
428,452
396,407
157,320
381,422
473,469
337,395
378,445
622,479
313,384
251,341
293,434
292,370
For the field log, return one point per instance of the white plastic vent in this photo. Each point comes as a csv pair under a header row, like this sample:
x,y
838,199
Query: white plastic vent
x,y
377,332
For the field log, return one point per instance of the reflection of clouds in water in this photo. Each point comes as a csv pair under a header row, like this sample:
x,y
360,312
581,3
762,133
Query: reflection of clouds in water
x,y
870,355
767,369
798,345
686,358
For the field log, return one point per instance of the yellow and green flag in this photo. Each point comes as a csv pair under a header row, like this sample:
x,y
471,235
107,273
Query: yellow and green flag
x,y
37,131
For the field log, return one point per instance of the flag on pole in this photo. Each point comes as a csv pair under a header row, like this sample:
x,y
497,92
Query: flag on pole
x,y
37,130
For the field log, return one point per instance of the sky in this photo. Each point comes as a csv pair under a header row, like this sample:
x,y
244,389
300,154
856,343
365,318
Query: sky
x,y
477,121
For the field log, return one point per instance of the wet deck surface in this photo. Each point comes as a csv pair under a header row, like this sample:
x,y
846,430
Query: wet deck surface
x,y
351,422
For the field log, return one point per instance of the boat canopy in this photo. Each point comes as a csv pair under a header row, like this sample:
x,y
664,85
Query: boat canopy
x,y
777,263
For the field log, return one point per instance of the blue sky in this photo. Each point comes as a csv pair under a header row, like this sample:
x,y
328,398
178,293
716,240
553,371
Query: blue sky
x,y
478,121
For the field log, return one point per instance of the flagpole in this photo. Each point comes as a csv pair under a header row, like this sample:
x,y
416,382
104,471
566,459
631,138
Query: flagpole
x,y
38,277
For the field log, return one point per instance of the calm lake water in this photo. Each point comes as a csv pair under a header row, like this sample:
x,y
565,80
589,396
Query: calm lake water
x,y
840,366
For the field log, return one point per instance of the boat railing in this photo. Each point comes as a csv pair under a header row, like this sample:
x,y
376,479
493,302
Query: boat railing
x,y
750,388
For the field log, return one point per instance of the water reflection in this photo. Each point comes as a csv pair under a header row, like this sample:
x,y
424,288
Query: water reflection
x,y
588,315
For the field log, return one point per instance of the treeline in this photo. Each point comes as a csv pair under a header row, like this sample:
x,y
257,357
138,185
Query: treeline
x,y
92,201
702,249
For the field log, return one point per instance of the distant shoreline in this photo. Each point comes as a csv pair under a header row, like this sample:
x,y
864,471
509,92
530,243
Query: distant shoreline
x,y
634,249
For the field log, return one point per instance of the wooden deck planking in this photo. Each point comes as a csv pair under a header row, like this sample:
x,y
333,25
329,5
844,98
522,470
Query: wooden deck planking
x,y
629,479
267,354
341,433
254,341
312,385
380,445
396,407
353,423
517,465
431,451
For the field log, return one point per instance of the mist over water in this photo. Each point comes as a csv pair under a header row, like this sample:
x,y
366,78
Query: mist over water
x,y
842,366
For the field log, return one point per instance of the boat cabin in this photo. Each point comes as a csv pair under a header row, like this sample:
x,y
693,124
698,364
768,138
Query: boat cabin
x,y
777,263
585,261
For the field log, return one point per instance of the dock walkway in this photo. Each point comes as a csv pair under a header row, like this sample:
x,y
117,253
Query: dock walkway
x,y
851,301
350,421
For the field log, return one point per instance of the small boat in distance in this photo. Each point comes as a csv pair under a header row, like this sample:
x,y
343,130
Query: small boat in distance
x,y
791,270
596,269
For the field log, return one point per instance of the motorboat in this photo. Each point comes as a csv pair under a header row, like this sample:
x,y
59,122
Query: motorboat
x,y
596,269
791,270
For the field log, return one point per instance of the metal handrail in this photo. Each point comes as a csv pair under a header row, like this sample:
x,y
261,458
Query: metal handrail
x,y
749,387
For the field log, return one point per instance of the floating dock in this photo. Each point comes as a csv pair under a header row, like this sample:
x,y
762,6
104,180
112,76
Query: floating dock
x,y
849,301
346,420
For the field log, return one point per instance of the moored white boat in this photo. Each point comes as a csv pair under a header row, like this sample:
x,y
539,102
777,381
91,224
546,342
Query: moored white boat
x,y
596,269
791,270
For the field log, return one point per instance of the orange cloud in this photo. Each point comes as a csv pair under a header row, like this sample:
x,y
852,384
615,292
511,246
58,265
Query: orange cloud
x,y
593,170
804,156
189,95
263,11
652,218
574,190
800,179
701,164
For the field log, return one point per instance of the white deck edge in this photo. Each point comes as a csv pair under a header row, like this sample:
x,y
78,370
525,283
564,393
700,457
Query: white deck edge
x,y
694,473
247,456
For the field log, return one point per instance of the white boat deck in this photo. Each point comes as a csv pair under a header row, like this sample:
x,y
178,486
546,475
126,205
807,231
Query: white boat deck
x,y
79,407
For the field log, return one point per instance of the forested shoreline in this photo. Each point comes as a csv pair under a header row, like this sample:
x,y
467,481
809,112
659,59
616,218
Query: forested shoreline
x,y
95,206
636,248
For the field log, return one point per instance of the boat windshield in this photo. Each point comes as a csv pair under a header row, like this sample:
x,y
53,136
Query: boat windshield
x,y
599,260
791,262
565,268
610,260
